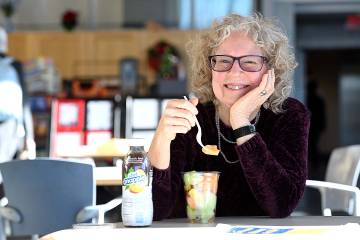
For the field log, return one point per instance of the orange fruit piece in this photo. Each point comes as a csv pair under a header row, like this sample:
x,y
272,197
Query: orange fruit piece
x,y
210,150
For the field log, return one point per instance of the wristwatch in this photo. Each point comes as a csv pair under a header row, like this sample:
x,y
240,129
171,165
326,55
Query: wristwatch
x,y
243,131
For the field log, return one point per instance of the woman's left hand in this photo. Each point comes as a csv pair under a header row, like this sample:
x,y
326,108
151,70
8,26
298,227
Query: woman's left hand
x,y
248,105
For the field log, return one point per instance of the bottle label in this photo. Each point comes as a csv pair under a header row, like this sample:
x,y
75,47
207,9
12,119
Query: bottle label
x,y
135,180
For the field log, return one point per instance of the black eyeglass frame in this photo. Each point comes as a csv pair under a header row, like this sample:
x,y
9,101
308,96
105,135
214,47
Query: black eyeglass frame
x,y
264,60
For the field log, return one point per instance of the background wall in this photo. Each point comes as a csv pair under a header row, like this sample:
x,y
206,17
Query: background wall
x,y
110,14
138,12
46,14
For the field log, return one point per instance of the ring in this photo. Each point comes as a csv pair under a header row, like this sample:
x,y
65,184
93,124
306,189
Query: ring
x,y
263,92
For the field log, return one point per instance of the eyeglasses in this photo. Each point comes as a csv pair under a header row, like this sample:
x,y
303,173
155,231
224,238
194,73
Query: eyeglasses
x,y
248,63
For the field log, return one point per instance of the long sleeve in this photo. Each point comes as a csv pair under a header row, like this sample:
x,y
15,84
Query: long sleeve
x,y
276,170
162,193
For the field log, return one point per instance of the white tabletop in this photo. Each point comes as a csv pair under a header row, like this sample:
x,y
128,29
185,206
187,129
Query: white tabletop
x,y
301,228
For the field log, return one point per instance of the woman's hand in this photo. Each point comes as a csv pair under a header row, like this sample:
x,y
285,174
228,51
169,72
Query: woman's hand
x,y
178,117
248,105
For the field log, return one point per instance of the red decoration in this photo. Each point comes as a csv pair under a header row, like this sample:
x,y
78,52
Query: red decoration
x,y
164,58
70,19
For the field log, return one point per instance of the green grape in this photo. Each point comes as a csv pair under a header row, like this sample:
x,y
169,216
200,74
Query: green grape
x,y
210,202
206,215
191,212
195,177
187,179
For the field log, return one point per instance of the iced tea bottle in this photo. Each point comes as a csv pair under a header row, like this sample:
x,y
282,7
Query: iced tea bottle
x,y
137,205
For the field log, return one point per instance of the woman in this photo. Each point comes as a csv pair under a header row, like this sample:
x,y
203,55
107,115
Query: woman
x,y
241,68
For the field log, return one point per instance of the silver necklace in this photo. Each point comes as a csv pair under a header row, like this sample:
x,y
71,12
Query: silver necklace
x,y
220,135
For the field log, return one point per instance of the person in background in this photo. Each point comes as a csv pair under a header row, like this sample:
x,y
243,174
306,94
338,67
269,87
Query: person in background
x,y
16,129
316,105
241,71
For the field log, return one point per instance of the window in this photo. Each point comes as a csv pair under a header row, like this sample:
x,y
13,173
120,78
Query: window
x,y
200,13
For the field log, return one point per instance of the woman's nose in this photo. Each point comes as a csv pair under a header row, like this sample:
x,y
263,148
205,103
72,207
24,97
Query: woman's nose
x,y
236,67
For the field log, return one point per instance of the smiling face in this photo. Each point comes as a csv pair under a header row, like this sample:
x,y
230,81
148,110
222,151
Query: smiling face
x,y
229,86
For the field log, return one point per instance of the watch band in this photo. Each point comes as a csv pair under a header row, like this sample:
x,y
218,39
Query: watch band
x,y
243,131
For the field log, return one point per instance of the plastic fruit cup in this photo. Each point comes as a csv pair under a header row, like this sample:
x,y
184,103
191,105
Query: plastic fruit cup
x,y
200,192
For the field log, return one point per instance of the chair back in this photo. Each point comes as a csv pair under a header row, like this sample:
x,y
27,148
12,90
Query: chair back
x,y
47,193
343,168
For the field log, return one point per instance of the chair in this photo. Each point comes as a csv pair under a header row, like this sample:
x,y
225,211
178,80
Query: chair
x,y
46,195
339,191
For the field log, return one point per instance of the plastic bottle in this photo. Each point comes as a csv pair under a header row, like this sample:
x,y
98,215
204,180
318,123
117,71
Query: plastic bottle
x,y
137,205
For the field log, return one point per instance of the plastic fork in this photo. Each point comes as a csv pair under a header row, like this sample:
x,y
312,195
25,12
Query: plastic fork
x,y
199,133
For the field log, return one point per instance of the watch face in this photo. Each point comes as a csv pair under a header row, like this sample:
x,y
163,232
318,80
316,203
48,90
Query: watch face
x,y
252,128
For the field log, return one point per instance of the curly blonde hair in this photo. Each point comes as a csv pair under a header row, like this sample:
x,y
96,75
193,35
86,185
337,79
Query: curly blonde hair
x,y
266,34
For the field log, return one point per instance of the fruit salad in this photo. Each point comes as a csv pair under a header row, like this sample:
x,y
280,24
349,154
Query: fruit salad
x,y
200,191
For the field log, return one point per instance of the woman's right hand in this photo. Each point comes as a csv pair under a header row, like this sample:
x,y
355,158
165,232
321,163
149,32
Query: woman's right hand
x,y
178,117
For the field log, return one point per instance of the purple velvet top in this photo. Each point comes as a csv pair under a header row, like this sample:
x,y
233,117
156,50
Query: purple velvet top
x,y
269,180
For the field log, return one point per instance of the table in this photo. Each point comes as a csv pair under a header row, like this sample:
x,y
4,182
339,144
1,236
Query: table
x,y
113,148
91,152
180,229
108,176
